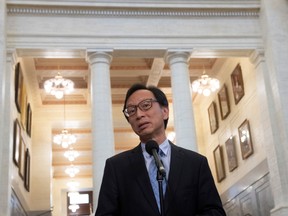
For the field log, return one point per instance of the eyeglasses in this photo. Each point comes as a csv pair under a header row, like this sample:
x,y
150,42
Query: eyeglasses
x,y
143,106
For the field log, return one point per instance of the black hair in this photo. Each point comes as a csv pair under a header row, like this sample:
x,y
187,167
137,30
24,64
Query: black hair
x,y
158,94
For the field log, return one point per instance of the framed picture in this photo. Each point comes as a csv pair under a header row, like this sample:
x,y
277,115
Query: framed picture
x,y
28,120
16,141
27,170
213,119
219,165
18,86
245,139
23,114
231,154
237,84
22,158
224,102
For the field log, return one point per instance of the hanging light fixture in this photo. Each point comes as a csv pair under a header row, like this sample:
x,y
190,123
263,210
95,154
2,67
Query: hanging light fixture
x,y
205,84
71,171
58,86
73,207
71,154
65,138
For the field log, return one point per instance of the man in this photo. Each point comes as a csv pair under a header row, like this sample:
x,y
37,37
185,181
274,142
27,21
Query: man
x,y
126,189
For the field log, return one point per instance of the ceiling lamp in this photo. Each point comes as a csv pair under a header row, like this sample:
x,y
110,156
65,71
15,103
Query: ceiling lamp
x,y
205,85
72,171
58,86
73,207
64,139
71,154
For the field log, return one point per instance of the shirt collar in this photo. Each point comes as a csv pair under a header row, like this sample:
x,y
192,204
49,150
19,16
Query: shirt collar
x,y
163,146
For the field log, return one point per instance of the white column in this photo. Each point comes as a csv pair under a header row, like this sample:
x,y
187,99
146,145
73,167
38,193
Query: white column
x,y
102,122
6,130
6,122
182,100
275,34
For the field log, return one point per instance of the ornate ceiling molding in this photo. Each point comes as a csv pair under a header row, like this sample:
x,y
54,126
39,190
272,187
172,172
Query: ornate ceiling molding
x,y
128,12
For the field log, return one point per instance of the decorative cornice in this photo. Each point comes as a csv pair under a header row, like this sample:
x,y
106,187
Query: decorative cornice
x,y
257,56
128,12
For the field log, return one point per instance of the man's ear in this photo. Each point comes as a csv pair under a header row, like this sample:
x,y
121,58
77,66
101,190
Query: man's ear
x,y
165,111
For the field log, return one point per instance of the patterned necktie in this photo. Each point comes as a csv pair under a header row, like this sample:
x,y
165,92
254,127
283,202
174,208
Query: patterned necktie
x,y
154,182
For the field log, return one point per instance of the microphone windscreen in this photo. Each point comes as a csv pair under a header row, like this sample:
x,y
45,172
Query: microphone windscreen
x,y
151,144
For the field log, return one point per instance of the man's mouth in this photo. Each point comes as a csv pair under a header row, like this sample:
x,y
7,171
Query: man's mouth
x,y
143,125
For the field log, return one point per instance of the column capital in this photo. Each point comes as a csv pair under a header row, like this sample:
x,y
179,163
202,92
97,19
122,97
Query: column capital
x,y
177,55
99,55
11,56
257,56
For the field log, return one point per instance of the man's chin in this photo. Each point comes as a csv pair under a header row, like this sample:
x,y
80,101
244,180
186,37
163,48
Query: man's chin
x,y
145,136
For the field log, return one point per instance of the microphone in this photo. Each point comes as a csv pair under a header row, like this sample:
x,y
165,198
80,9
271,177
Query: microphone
x,y
152,148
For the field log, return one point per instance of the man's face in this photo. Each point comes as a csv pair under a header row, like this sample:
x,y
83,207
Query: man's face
x,y
147,124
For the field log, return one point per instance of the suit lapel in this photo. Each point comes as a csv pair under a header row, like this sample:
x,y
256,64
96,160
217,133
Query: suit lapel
x,y
176,166
141,175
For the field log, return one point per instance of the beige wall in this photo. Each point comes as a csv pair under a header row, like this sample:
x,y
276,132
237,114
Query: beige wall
x,y
248,108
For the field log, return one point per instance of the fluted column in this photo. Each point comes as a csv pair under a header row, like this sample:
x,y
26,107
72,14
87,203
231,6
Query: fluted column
x,y
182,99
101,105
7,61
275,35
6,130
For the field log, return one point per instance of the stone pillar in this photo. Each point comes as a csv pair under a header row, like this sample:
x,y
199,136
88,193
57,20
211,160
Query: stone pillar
x,y
102,122
6,129
274,27
7,62
182,99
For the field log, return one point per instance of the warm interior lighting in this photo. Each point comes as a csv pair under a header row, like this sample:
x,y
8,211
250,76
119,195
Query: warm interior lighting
x,y
58,86
72,171
71,154
64,139
73,207
79,199
205,85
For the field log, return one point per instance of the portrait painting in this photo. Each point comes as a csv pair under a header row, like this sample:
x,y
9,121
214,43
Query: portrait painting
x,y
219,163
245,139
237,84
213,118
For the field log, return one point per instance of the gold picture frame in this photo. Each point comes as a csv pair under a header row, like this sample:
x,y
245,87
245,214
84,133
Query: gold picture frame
x,y
213,118
16,142
27,170
29,120
237,84
245,139
224,103
18,86
231,154
219,163
22,151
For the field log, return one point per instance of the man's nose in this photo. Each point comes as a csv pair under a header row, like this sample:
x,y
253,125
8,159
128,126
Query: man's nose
x,y
139,112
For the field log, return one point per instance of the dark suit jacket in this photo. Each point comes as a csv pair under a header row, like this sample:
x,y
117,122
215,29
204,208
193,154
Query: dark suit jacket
x,y
126,189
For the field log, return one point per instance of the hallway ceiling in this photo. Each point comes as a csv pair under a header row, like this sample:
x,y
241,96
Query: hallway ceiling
x,y
123,73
